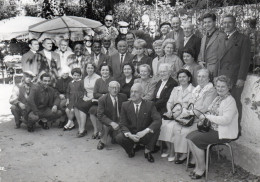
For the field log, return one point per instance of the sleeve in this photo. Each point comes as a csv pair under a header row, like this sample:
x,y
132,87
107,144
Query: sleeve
x,y
101,112
162,102
245,59
14,96
229,110
123,119
31,100
150,91
171,101
207,100
96,94
156,119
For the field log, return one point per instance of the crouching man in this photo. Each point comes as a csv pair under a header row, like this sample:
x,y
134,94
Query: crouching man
x,y
19,98
43,101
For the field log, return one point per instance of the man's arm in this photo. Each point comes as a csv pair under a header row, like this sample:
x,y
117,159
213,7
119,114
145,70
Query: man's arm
x,y
156,119
101,112
14,96
31,99
123,119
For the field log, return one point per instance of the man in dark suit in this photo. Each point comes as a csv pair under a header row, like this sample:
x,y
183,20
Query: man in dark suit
x,y
108,112
117,60
191,41
177,33
234,58
208,56
28,61
140,122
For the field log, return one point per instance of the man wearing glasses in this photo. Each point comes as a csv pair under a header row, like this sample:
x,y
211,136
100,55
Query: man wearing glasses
x,y
87,45
109,30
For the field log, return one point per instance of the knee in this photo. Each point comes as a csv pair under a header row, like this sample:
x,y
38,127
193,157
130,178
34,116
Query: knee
x,y
14,108
33,117
119,138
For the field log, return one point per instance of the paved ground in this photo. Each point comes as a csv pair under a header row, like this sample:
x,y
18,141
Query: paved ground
x,y
58,156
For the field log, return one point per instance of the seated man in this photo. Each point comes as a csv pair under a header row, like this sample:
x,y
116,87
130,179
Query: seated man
x,y
18,100
108,110
140,122
43,101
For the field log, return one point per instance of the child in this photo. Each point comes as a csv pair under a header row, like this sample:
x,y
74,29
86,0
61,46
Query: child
x,y
75,92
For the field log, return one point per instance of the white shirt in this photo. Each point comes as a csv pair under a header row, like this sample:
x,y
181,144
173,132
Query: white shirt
x,y
96,59
120,55
48,56
139,105
113,101
89,49
186,39
160,89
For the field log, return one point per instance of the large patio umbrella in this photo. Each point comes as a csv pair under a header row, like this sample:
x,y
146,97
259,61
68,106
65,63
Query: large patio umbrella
x,y
64,24
17,27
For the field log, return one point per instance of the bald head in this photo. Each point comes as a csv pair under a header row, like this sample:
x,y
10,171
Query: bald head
x,y
136,93
188,29
176,23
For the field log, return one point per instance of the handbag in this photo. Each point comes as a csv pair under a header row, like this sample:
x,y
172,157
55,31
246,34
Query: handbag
x,y
189,120
204,124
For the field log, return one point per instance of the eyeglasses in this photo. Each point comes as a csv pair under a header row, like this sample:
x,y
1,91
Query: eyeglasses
x,y
109,20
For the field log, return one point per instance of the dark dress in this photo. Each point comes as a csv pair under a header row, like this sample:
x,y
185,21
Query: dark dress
x,y
62,85
75,92
145,60
126,87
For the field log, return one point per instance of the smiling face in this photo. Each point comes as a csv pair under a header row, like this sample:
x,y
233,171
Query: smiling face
x,y
78,50
144,72
47,44
165,29
105,71
176,23
202,78
34,46
122,47
187,58
76,76
130,39
96,48
164,73
229,24
136,93
158,50
46,81
222,88
109,20
168,49
113,88
209,24
187,30
183,79
90,69
139,50
63,46
127,70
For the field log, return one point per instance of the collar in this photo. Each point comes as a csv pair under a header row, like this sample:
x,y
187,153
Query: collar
x,y
230,34
209,34
187,38
33,51
75,81
113,98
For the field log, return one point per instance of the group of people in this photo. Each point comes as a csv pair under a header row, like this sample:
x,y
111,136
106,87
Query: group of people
x,y
127,84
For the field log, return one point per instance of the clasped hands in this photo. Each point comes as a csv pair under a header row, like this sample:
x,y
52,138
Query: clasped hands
x,y
138,135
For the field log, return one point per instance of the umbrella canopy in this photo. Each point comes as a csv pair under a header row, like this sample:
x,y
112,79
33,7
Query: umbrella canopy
x,y
17,27
64,24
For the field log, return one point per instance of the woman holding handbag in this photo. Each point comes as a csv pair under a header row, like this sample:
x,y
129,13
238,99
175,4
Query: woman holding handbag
x,y
224,125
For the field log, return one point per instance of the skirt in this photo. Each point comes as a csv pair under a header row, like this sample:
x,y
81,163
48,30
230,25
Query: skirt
x,y
84,106
166,133
202,140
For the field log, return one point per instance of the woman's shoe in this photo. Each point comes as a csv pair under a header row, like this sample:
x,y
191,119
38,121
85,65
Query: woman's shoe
x,y
171,159
180,161
164,155
82,134
71,127
190,165
192,173
196,176
65,128
94,136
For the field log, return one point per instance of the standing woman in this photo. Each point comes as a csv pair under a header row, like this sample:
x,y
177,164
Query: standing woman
x,y
169,57
183,95
82,106
224,125
127,80
191,65
100,89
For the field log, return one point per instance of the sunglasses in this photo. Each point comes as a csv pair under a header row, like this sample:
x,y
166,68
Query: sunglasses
x,y
109,20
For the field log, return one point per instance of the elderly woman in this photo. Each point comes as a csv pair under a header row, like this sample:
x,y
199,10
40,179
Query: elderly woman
x,y
82,107
165,28
183,95
140,58
224,125
175,62
157,46
163,88
127,80
146,81
100,89
190,64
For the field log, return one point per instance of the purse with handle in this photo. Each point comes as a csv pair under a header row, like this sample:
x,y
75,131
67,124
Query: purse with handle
x,y
203,124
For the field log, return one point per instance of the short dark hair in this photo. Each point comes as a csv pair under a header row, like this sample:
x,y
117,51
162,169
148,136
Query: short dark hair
x,y
85,67
109,68
31,40
77,43
189,51
131,66
230,16
76,70
186,72
131,33
45,75
46,39
209,15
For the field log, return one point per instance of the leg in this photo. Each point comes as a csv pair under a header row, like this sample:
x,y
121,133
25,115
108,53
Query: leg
x,y
236,93
32,119
105,132
200,155
16,111
76,113
125,142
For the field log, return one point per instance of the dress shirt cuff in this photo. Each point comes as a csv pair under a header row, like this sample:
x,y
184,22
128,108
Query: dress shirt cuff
x,y
127,134
149,130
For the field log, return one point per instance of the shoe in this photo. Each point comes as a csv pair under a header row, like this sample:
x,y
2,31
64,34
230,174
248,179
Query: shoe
x,y
94,136
149,157
100,145
65,128
132,154
171,159
82,134
99,134
192,173
30,128
44,125
196,176
164,155
190,165
180,161
71,128
62,124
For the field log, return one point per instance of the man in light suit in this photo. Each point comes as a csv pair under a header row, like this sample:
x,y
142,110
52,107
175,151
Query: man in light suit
x,y
191,41
208,56
140,122
117,60
234,58
28,61
177,33
108,112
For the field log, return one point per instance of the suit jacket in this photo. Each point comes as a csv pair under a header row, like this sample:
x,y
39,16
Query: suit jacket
x,y
160,103
148,117
117,68
179,39
194,44
102,59
29,63
54,56
105,108
234,57
209,53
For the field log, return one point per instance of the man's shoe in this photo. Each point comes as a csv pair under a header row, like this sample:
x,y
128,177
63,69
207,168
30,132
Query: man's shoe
x,y
131,154
45,126
196,176
149,157
100,145
17,126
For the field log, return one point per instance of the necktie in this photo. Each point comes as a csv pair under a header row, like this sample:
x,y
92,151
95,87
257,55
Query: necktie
x,y
107,53
121,60
136,110
115,114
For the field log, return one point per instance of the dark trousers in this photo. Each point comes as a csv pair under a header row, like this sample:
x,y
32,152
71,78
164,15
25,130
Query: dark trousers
x,y
106,131
236,93
149,140
18,113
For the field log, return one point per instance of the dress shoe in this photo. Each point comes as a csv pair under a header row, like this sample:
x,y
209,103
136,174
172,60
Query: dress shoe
x,y
196,176
132,154
149,157
44,125
171,159
71,127
99,134
190,165
94,136
180,161
164,155
82,134
100,145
